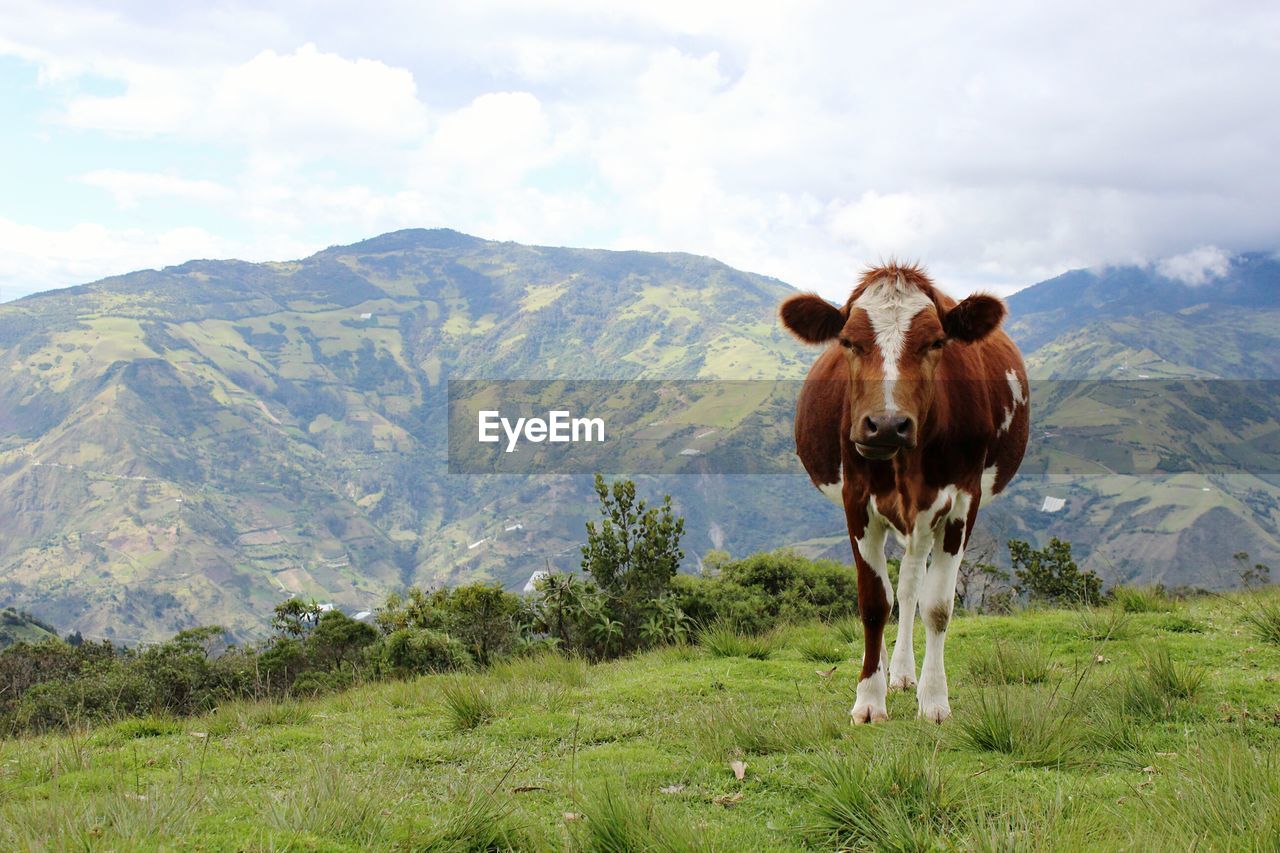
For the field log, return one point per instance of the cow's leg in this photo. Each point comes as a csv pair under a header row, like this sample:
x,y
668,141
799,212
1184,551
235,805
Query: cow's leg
x,y
902,667
937,601
875,600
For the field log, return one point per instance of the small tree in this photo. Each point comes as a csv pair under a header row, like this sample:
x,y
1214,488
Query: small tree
x,y
631,556
1050,574
295,617
484,618
1258,574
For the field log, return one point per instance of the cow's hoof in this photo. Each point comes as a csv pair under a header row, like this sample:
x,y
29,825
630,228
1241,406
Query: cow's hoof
x,y
868,714
935,712
906,681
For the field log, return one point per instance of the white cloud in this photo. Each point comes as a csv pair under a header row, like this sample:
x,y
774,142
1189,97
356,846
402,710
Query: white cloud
x,y
303,101
129,188
34,259
999,144
312,98
1197,267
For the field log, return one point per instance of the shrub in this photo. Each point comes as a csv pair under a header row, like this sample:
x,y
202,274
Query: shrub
x,y
1050,574
416,651
763,590
632,556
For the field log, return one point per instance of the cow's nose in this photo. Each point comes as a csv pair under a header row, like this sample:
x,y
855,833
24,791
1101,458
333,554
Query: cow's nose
x,y
889,428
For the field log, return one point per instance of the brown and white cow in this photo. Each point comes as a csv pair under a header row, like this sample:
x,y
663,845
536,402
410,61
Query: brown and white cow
x,y
913,418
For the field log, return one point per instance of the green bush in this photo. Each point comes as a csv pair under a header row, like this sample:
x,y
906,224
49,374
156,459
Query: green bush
x,y
756,593
1050,574
415,651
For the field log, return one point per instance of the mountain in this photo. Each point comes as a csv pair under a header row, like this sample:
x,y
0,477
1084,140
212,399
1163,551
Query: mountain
x,y
1089,324
19,627
190,445
1135,323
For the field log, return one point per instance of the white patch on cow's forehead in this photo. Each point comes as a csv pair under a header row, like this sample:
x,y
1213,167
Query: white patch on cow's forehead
x,y
891,304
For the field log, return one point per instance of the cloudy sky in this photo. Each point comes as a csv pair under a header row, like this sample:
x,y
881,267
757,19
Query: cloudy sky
x,y
998,143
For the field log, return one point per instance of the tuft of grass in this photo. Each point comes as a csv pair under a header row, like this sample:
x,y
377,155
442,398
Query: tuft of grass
x,y
324,803
1034,726
1176,623
724,641
1223,795
467,703
1007,823
476,821
822,650
616,820
680,652
1160,688
848,629
285,713
544,666
1012,664
1263,617
1104,623
899,801
1132,599
735,728
1118,738
143,727
121,820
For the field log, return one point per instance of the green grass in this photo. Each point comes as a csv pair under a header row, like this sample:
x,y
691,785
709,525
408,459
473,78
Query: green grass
x,y
725,641
1158,739
1132,599
1022,663
1263,617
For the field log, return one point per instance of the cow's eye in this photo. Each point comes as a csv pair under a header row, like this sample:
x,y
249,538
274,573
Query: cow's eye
x,y
938,344
846,343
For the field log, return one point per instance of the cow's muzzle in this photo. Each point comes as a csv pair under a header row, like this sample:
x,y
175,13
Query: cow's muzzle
x,y
883,434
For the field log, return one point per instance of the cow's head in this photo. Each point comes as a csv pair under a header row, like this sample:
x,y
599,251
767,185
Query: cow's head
x,y
894,330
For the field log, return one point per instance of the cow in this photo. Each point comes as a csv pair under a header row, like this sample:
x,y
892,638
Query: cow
x,y
914,416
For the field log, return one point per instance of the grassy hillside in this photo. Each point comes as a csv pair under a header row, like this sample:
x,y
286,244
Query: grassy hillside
x,y
19,627
1130,323
1106,730
188,446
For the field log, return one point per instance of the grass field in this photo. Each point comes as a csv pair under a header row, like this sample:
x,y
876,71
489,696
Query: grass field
x,y
1149,725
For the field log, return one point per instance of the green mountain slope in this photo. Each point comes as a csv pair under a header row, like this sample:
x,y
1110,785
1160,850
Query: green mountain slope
x,y
1131,323
19,627
190,445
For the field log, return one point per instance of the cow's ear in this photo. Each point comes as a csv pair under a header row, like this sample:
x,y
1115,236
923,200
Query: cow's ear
x,y
973,318
811,318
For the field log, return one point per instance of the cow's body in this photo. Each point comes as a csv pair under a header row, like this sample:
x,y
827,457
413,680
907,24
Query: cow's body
x,y
913,420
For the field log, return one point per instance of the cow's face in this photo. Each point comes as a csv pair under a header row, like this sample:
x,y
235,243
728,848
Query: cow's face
x,y
894,336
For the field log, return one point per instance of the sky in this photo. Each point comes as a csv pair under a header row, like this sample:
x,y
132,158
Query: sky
x,y
997,143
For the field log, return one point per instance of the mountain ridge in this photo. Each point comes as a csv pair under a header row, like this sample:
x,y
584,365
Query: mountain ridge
x,y
188,445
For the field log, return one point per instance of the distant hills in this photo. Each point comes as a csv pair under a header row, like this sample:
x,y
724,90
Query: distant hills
x,y
19,627
190,445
